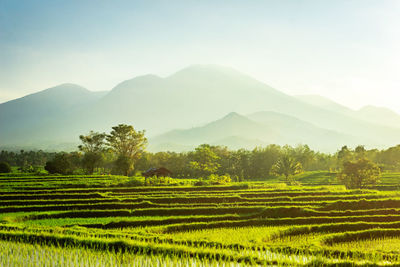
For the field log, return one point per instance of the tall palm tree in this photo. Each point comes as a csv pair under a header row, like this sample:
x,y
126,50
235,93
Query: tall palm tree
x,y
287,166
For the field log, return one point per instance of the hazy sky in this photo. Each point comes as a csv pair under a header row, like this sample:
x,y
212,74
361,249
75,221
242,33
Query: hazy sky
x,y
346,50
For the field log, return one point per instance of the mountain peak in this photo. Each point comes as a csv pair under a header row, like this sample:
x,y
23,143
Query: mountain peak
x,y
233,115
70,85
139,81
66,87
146,77
56,92
208,71
208,67
233,119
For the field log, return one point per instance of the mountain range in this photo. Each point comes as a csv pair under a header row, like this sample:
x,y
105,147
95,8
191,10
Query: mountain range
x,y
198,104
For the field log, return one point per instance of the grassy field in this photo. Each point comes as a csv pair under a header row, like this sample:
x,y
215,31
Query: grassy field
x,y
100,221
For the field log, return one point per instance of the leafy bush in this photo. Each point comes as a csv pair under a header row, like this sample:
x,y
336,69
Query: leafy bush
x,y
160,181
5,167
359,174
61,164
219,179
133,181
201,182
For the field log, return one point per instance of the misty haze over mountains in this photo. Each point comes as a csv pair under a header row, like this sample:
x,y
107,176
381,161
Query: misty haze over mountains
x,y
199,104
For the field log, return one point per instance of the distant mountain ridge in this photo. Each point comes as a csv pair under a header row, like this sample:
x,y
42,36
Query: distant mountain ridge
x,y
323,102
193,99
373,114
21,119
256,129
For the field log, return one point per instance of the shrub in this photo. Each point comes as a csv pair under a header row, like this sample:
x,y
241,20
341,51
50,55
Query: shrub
x,y
219,179
201,182
5,167
154,180
359,174
61,164
122,166
132,181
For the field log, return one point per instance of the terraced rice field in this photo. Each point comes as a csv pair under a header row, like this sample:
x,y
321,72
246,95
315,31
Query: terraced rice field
x,y
94,221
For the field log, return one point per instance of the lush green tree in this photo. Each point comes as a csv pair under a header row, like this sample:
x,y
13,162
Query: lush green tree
x,y
239,164
244,166
234,166
108,162
93,142
223,155
75,161
373,155
262,160
123,165
30,158
92,160
302,154
93,145
128,144
63,163
359,173
389,158
360,152
343,155
205,160
288,167
5,167
22,160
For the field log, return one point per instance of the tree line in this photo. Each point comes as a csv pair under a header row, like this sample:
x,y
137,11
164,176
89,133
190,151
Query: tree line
x,y
122,151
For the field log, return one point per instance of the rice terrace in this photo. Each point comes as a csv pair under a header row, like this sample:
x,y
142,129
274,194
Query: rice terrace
x,y
195,133
94,221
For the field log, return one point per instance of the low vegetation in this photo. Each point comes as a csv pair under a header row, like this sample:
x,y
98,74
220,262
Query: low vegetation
x,y
117,220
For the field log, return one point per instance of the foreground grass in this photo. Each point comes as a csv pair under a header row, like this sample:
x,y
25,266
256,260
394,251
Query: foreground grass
x,y
87,223
27,255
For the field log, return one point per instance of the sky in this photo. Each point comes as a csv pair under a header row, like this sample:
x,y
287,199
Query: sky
x,y
346,50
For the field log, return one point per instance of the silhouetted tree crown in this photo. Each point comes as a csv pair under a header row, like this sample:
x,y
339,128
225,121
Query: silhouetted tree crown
x,y
5,167
359,173
128,144
288,167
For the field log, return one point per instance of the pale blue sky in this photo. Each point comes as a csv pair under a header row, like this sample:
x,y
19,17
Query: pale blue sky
x,y
346,50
